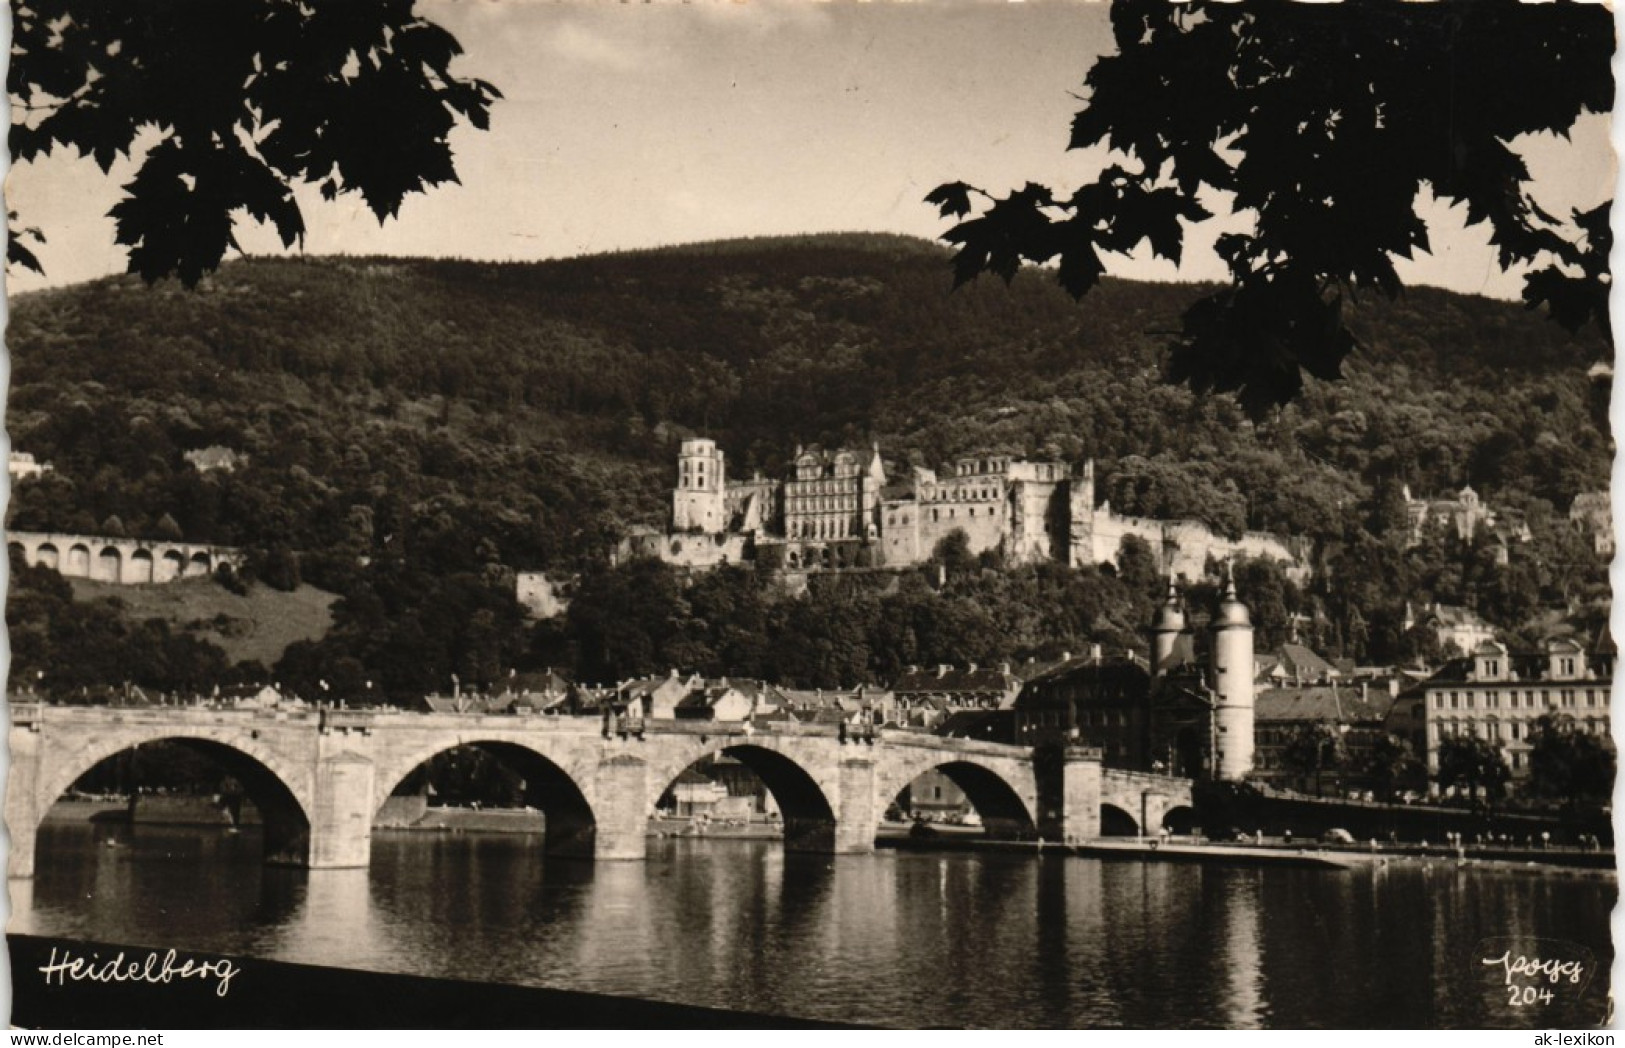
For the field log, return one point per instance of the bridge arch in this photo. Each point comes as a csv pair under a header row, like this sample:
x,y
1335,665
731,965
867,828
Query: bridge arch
x,y
170,566
200,564
283,796
108,566
47,556
78,561
1179,819
804,799
553,784
1117,822
138,569
1005,813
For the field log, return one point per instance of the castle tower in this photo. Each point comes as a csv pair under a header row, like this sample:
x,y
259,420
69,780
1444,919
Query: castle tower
x,y
699,502
1086,484
1165,630
1080,525
1233,686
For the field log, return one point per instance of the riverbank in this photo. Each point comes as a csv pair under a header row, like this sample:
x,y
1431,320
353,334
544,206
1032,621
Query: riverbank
x,y
151,809
1584,865
716,830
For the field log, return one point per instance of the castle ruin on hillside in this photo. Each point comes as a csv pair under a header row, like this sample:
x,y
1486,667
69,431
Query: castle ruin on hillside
x,y
837,509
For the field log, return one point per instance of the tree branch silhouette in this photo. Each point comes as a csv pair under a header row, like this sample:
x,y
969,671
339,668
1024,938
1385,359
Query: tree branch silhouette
x,y
250,98
1322,123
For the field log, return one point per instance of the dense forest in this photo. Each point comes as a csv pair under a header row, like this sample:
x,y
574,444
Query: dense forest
x,y
416,430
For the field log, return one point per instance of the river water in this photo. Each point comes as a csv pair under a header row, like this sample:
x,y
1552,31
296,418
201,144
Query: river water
x,y
892,939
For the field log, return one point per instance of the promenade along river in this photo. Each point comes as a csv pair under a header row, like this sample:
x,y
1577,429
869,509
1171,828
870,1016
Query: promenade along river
x,y
893,939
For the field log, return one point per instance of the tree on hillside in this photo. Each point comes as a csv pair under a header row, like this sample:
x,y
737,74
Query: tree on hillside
x,y
250,98
1323,124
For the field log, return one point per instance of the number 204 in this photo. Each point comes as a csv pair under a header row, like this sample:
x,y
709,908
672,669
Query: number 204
x,y
1519,996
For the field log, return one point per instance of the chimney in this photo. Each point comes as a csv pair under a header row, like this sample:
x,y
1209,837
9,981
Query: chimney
x,y
1094,653
673,674
942,670
1004,668
970,667
1364,688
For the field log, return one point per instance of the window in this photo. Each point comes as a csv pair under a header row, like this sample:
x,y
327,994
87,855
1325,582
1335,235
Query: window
x,y
1455,701
1469,700
1492,701
1516,729
1438,700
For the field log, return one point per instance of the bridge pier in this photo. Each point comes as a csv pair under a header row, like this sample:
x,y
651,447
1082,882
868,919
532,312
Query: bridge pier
x,y
622,809
1069,788
1153,806
858,818
23,812
341,824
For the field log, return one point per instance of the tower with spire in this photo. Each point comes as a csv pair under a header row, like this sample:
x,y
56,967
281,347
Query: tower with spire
x,y
1233,675
1166,629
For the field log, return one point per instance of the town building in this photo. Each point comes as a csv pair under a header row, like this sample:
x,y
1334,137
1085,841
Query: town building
x,y
21,465
1457,628
1294,665
1466,516
1357,716
215,457
1498,695
925,697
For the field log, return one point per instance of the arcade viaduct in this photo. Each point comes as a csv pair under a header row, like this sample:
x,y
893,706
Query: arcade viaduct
x,y
126,562
319,778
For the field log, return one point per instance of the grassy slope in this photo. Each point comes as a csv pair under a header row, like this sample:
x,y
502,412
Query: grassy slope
x,y
259,626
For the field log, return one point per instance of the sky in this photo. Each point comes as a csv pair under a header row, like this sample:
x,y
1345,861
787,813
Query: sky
x,y
635,125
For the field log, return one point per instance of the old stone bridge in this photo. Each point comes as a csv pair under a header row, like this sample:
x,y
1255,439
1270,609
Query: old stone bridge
x,y
320,777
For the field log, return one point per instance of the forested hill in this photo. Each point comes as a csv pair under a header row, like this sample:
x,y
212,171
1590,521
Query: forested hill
x,y
526,414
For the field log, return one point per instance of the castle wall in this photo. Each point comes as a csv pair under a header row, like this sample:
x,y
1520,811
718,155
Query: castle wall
x,y
1038,520
689,549
1181,547
900,533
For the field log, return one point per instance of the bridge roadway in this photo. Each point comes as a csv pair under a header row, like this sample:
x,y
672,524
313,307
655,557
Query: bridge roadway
x,y
320,777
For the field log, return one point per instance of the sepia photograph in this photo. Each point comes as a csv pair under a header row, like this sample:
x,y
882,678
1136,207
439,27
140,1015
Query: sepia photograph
x,y
775,514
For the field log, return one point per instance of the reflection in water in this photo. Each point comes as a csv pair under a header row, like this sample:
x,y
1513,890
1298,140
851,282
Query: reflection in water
x,y
897,938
